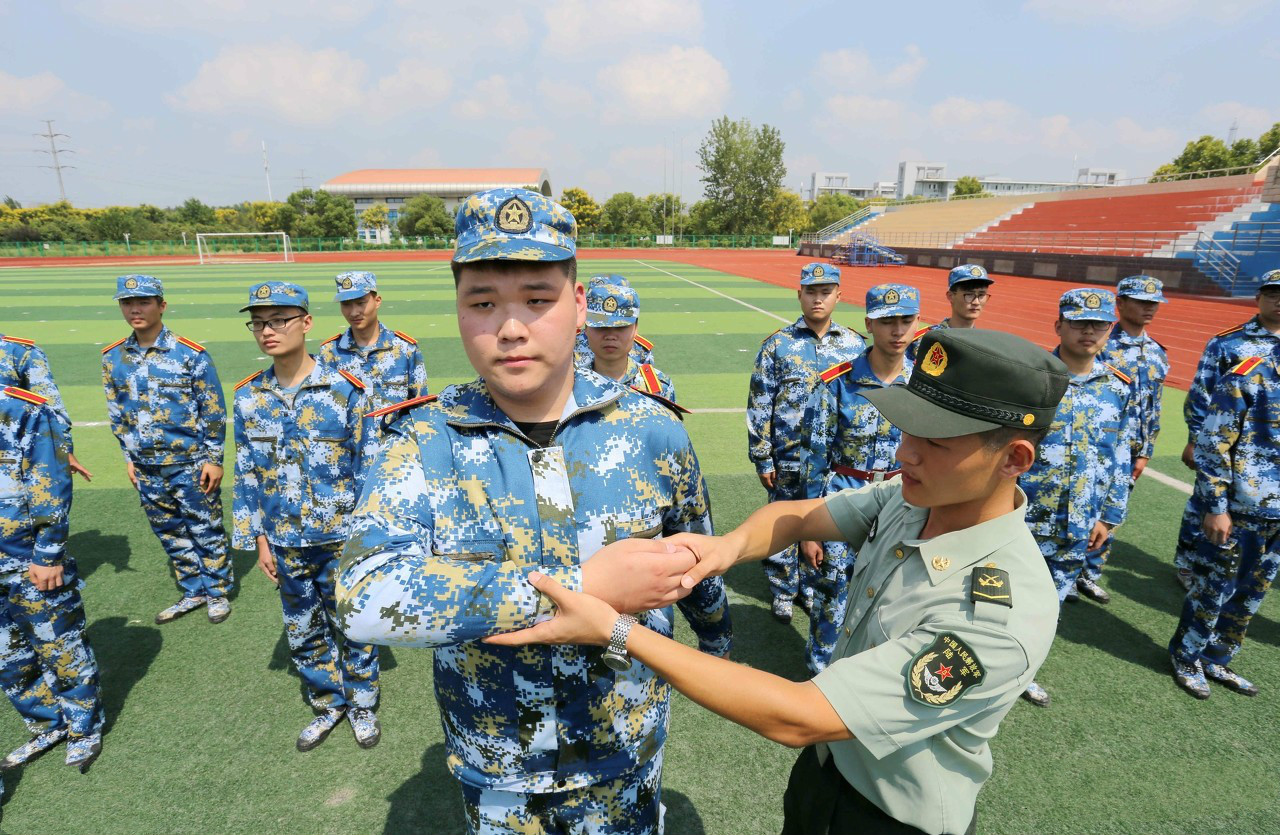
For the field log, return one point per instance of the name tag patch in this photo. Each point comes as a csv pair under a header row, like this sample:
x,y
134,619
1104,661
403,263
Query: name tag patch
x,y
943,670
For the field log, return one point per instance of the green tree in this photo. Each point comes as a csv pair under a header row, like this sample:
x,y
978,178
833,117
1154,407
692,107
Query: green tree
x,y
195,213
375,217
319,214
666,211
10,203
786,213
1269,141
626,214
742,172
829,208
425,216
967,185
583,207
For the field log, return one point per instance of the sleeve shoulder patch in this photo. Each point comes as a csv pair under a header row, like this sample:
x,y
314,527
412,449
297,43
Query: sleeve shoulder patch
x,y
23,394
651,381
990,585
1124,378
836,371
30,343
402,405
247,380
115,344
1247,365
406,337
1230,331
921,332
771,336
676,408
333,338
938,674
352,379
643,343
192,344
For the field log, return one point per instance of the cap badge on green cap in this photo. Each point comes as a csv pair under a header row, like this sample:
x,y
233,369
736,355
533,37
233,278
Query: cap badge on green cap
x,y
1028,419
346,283
609,305
935,362
818,272
131,284
514,217
892,297
1093,301
1150,287
263,292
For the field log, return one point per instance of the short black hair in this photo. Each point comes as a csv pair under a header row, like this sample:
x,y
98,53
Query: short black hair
x,y
995,439
503,265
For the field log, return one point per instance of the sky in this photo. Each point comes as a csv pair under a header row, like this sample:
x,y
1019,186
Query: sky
x,y
162,100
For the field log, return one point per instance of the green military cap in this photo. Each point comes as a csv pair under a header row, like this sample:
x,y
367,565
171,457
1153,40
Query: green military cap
x,y
968,380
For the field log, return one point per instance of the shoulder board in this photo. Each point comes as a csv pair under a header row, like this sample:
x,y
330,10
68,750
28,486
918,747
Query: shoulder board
x,y
651,380
28,342
1160,345
921,332
680,411
23,394
771,336
247,380
332,338
195,346
1247,365
114,344
403,404
1231,330
406,337
1125,378
352,379
836,370
643,343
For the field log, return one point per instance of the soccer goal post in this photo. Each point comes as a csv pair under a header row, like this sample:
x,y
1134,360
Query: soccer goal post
x,y
243,247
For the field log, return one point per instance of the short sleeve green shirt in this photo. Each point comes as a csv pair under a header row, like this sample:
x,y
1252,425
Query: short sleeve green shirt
x,y
940,638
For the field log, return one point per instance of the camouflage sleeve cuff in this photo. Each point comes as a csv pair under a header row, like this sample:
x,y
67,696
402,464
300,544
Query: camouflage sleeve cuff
x,y
764,467
48,557
568,576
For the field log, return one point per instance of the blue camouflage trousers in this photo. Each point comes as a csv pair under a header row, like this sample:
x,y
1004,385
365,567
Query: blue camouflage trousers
x,y
335,672
1189,534
1065,558
784,570
628,805
830,590
1231,581
189,525
46,665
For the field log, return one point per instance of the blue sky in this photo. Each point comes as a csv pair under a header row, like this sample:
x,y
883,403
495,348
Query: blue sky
x,y
167,99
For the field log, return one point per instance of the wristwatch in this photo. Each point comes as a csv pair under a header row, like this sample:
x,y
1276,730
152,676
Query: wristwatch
x,y
615,655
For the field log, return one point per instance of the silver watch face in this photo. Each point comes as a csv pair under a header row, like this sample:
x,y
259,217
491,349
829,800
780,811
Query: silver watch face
x,y
616,662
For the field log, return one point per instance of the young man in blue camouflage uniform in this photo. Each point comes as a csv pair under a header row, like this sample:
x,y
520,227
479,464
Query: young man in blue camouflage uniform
x,y
785,377
1259,336
299,454
165,404
1143,360
1238,486
968,291
530,467
613,312
1078,488
24,365
47,668
389,362
852,445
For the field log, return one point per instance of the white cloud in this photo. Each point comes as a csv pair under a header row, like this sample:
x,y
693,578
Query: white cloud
x,y
451,34
415,84
578,26
849,69
988,120
1130,134
299,86
45,94
1142,14
1253,120
677,83
208,15
566,97
1058,135
426,158
867,112
491,98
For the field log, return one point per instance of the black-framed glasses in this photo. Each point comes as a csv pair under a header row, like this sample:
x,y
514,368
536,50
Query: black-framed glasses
x,y
1087,325
979,296
277,324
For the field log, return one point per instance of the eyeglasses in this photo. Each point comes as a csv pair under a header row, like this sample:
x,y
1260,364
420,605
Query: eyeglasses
x,y
1087,325
981,297
279,324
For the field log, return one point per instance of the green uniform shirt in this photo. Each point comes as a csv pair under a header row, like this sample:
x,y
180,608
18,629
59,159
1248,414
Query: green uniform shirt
x,y
940,638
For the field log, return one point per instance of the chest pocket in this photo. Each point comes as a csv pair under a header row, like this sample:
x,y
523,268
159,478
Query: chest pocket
x,y
472,550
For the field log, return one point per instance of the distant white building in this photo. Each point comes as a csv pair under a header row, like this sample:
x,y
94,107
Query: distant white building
x,y
826,182
930,180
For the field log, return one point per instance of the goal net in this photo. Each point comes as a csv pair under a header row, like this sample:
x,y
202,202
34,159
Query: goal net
x,y
243,247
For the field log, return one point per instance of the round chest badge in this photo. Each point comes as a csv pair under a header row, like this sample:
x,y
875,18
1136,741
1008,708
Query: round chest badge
x,y
1093,301
263,292
892,297
935,362
131,284
514,217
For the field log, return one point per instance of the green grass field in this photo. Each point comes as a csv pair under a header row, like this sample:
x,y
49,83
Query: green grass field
x,y
201,719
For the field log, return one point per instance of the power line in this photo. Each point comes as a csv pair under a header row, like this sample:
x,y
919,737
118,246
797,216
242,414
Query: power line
x,y
53,151
302,177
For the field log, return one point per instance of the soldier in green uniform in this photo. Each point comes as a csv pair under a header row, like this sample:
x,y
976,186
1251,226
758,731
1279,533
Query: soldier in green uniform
x,y
951,607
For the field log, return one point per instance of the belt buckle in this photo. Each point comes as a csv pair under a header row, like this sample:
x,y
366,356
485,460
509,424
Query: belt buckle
x,y
877,476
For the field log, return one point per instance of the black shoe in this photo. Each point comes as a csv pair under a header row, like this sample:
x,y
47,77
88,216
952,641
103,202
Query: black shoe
x,y
1230,679
1090,589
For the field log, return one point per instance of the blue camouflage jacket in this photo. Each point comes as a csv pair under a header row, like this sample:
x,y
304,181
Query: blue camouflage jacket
x,y
785,377
35,482
1082,468
164,402
843,429
391,367
456,512
1144,361
298,459
1238,449
24,365
1222,353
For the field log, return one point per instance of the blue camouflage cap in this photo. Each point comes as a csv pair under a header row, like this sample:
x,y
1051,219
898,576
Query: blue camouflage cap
x,y
277,294
1087,303
355,285
1271,278
892,300
611,302
816,273
968,272
138,286
1144,288
514,224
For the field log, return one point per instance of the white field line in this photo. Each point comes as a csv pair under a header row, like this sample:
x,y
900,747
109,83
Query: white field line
x,y
1168,481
